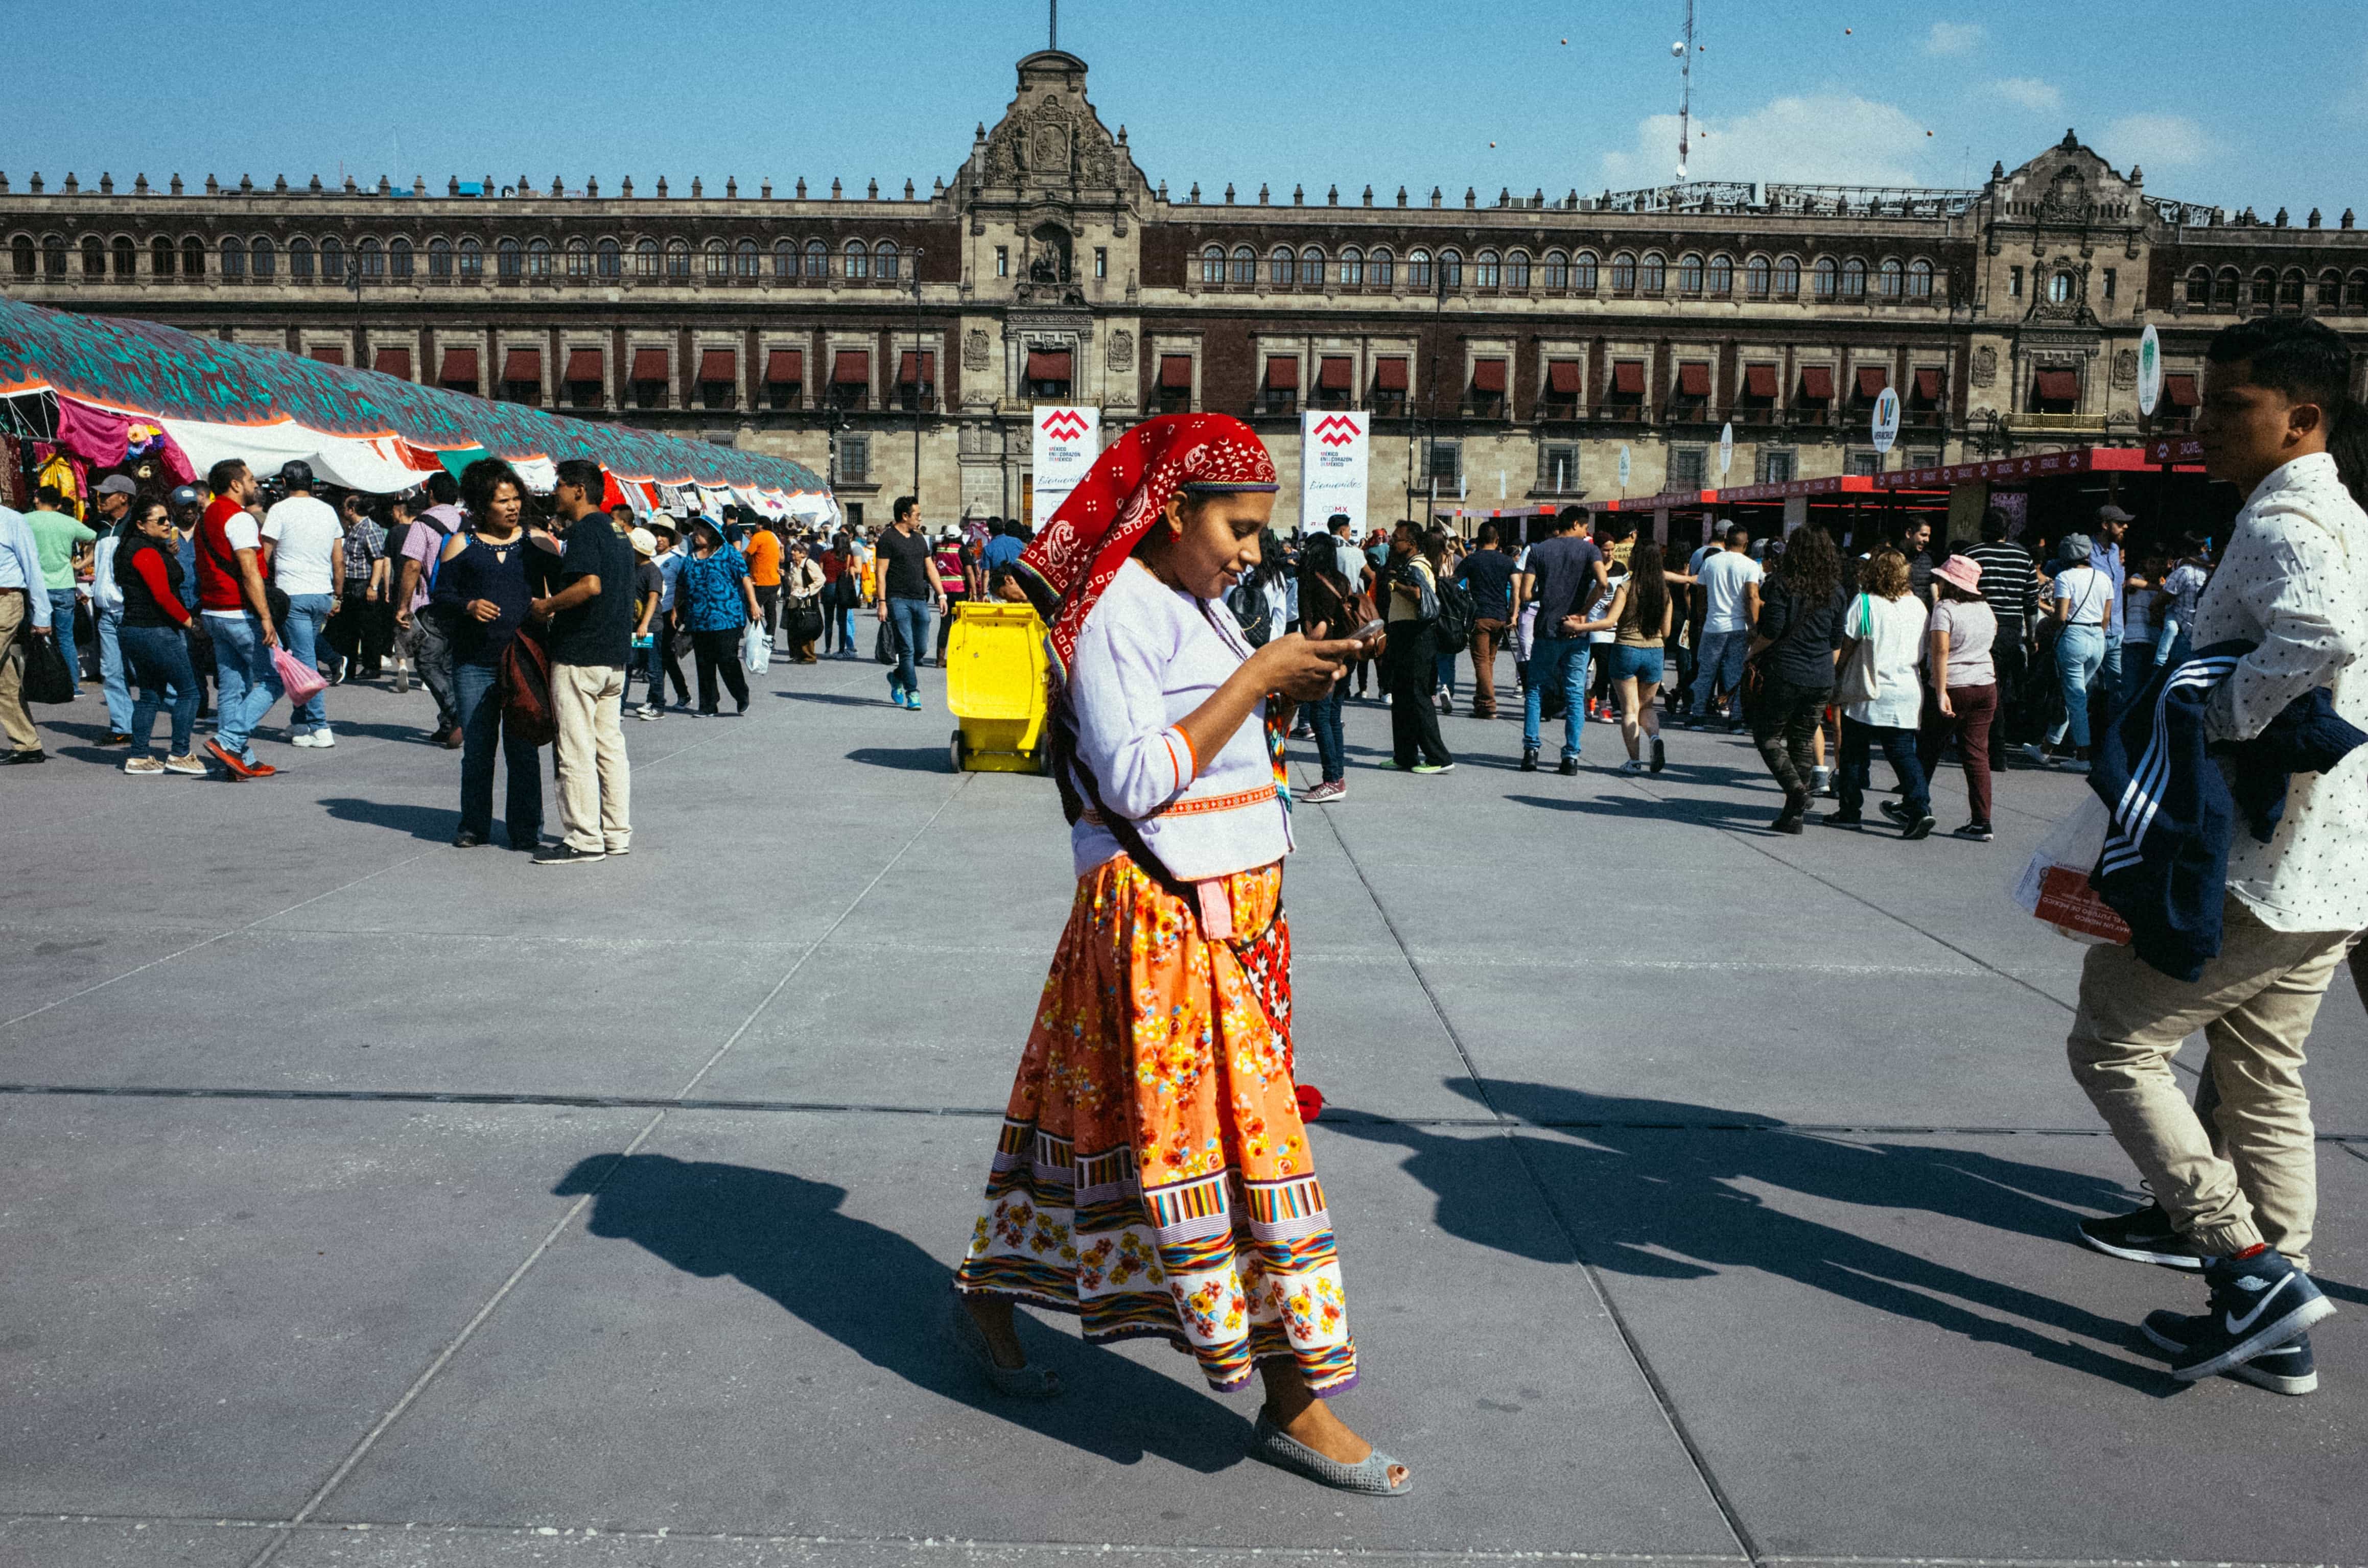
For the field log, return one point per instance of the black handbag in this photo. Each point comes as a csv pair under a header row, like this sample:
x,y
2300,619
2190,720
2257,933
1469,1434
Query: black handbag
x,y
883,647
802,623
46,679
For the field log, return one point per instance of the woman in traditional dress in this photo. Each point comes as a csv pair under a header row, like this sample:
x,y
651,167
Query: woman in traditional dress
x,y
1154,1174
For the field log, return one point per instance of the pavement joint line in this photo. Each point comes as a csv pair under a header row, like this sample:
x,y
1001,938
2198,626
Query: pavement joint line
x,y
443,1358
1744,1539
2355,1141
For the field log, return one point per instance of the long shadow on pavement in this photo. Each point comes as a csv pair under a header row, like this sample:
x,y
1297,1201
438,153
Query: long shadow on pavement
x,y
434,823
884,1299
1662,1189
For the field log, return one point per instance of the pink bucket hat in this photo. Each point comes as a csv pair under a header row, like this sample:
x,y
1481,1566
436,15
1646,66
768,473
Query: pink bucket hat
x,y
1961,572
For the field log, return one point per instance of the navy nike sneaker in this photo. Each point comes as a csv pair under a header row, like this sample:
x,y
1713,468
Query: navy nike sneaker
x,y
2257,1303
2145,1235
2289,1369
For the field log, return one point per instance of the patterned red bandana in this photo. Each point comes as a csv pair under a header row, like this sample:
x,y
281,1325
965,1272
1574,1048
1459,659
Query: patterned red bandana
x,y
1088,541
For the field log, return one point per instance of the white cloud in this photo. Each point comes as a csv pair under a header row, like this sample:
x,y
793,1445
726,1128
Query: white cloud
x,y
2030,91
1954,38
2168,140
1822,138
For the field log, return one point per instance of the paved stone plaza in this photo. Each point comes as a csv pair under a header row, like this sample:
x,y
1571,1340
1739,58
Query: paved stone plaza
x,y
1703,1194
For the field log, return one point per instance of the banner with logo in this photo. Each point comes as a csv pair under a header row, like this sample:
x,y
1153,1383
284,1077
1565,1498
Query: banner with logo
x,y
1334,447
1068,441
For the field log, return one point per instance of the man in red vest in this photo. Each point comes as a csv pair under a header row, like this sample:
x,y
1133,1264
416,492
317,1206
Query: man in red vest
x,y
231,556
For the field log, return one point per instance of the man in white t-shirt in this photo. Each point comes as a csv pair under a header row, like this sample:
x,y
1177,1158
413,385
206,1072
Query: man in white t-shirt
x,y
308,564
1729,584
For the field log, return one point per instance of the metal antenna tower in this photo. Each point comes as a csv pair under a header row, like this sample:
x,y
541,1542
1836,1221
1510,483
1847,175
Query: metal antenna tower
x,y
1686,92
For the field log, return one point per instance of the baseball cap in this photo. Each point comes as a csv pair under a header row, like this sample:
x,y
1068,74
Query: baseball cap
x,y
115,484
2109,513
644,541
186,495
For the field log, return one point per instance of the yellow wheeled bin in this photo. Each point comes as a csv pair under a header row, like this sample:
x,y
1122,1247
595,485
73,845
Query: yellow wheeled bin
x,y
996,664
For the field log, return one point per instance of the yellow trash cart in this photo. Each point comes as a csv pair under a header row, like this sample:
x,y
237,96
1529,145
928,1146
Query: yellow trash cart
x,y
996,664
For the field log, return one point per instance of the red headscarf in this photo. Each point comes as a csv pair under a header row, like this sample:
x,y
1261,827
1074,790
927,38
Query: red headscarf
x,y
1088,541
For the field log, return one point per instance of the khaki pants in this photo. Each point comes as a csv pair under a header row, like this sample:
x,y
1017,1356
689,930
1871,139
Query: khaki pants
x,y
2253,1176
596,787
1488,636
15,627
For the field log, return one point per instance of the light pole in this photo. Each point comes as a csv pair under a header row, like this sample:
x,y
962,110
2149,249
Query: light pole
x,y
354,282
1430,423
920,363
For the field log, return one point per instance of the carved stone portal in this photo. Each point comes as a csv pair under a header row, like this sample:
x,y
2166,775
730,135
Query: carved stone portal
x,y
1121,350
2125,368
1985,365
976,349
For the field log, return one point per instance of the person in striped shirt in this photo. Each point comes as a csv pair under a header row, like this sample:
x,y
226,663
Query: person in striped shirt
x,y
2010,584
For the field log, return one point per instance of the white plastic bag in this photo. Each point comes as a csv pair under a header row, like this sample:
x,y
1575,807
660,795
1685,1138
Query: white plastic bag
x,y
756,650
2054,885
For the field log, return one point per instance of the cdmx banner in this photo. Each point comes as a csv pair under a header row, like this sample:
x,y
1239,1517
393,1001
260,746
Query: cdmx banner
x,y
1068,441
1332,448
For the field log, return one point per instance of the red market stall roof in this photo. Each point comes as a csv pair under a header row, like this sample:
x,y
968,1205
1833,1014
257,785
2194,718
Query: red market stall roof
x,y
1671,500
1832,484
2174,450
2039,465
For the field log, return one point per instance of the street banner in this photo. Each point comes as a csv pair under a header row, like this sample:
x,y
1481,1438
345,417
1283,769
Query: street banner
x,y
1068,441
2149,369
1334,451
1725,448
1884,423
1624,470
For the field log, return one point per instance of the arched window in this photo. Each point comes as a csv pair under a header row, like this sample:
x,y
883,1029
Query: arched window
x,y
1486,269
2199,285
608,258
886,261
678,258
859,259
20,254
472,258
1450,268
1212,264
1245,264
1378,267
53,255
1788,278
1517,269
439,259
1894,279
127,261
1582,273
538,258
579,259
785,261
263,259
2290,290
332,260
193,257
1352,268
1722,275
2330,289
1623,273
1653,274
2062,288
1281,267
1919,280
398,257
719,259
160,257
2265,287
370,257
1853,279
2356,291
1756,274
233,258
94,256
509,258
1418,269
817,260
1311,267
1689,273
1557,271
2223,287
1828,276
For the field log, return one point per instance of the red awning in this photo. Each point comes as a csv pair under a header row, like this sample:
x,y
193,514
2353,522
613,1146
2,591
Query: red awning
x,y
649,364
1817,383
718,365
522,365
1693,379
2057,386
460,365
1928,386
785,368
1281,372
1176,372
1872,379
1488,375
1562,377
584,365
395,362
1390,374
1628,378
2179,390
329,354
851,368
925,372
1048,364
1336,373
1759,380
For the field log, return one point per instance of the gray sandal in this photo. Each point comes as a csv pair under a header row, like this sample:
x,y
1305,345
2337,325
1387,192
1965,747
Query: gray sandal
x,y
1031,1382
1370,1476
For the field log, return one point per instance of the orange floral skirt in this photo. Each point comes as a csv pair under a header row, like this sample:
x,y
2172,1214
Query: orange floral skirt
x,y
1154,1174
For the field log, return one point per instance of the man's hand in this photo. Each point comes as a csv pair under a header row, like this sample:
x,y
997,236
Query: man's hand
x,y
883,611
1569,625
539,608
402,619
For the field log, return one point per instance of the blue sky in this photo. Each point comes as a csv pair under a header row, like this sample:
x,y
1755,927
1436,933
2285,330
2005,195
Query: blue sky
x,y
2246,108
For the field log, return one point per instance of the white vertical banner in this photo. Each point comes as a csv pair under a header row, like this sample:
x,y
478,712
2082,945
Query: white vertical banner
x,y
1333,453
1068,441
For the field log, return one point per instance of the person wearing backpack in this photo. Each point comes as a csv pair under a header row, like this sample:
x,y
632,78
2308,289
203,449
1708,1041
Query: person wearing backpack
x,y
1410,663
1562,574
1486,576
424,634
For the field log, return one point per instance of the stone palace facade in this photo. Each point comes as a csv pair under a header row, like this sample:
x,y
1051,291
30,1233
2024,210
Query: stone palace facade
x,y
1508,349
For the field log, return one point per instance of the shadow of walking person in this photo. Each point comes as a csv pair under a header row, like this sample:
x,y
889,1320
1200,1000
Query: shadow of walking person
x,y
885,1299
1666,1190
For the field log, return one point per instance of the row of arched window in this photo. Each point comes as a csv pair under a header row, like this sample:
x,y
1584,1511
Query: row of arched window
x,y
331,260
1559,271
2292,290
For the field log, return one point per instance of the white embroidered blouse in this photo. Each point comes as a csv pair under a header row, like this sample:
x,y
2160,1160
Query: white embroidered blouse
x,y
2295,580
1145,657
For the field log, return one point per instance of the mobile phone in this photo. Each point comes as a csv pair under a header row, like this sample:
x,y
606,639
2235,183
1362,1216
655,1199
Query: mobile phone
x,y
1371,630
